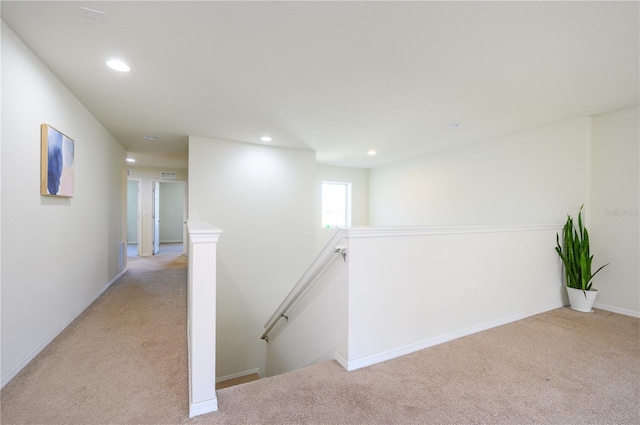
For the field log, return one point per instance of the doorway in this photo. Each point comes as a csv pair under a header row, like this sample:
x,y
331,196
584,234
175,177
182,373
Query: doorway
x,y
169,215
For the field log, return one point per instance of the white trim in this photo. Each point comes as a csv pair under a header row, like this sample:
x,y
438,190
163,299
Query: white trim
x,y
202,232
341,360
618,310
347,202
202,407
201,317
46,341
421,345
185,213
238,375
385,232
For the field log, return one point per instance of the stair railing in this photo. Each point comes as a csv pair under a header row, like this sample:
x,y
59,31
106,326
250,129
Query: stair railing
x,y
327,254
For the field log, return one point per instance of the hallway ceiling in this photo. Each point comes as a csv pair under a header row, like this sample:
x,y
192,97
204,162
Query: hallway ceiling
x,y
339,78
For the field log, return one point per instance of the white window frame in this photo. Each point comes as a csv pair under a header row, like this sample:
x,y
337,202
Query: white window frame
x,y
347,204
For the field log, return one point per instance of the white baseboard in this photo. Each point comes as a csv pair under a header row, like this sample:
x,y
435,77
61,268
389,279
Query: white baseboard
x,y
618,310
341,360
202,407
238,375
421,345
11,373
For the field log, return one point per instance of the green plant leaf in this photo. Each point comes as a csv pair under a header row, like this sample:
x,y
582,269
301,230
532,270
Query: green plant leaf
x,y
575,254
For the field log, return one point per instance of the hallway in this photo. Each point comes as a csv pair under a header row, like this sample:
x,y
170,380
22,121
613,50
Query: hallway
x,y
124,360
165,248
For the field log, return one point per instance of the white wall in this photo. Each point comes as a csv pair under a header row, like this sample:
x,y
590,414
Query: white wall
x,y
148,175
57,254
538,176
263,199
359,179
411,292
533,177
316,329
614,228
405,289
172,198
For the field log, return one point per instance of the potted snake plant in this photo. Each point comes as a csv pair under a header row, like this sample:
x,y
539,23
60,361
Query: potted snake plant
x,y
576,257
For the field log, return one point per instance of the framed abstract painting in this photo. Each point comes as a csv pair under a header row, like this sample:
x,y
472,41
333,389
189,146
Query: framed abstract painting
x,y
56,163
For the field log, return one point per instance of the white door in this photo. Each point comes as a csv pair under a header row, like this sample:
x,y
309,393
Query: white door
x,y
156,217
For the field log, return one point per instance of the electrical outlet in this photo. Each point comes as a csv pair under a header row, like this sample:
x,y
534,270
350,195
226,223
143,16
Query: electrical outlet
x,y
474,289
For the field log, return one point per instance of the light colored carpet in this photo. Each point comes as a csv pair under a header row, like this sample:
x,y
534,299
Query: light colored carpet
x,y
165,248
124,362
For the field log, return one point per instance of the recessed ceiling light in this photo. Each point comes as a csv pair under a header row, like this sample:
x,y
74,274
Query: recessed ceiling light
x,y
371,153
131,160
265,138
152,138
118,65
455,125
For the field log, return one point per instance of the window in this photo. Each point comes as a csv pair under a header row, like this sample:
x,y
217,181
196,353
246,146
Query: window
x,y
336,204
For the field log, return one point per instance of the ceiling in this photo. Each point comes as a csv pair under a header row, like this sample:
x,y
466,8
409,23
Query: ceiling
x,y
339,78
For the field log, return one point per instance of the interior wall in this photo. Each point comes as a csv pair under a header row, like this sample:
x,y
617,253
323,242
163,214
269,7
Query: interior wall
x,y
532,177
171,211
359,179
614,228
58,254
263,199
322,313
408,293
148,175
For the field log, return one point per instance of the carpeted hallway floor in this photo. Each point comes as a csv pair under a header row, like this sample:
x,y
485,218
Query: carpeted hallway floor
x,y
165,248
124,362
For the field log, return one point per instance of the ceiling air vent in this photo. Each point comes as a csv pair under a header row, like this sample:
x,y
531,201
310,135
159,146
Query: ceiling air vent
x,y
168,175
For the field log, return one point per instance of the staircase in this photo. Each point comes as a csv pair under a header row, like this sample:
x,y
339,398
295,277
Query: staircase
x,y
237,381
377,293
374,294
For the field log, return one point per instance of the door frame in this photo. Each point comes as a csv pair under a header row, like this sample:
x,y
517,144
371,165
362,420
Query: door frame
x,y
185,211
155,217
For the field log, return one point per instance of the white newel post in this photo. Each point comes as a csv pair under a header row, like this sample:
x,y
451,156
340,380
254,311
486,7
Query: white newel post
x,y
201,319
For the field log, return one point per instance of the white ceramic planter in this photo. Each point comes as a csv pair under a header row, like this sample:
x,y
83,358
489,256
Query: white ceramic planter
x,y
582,300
